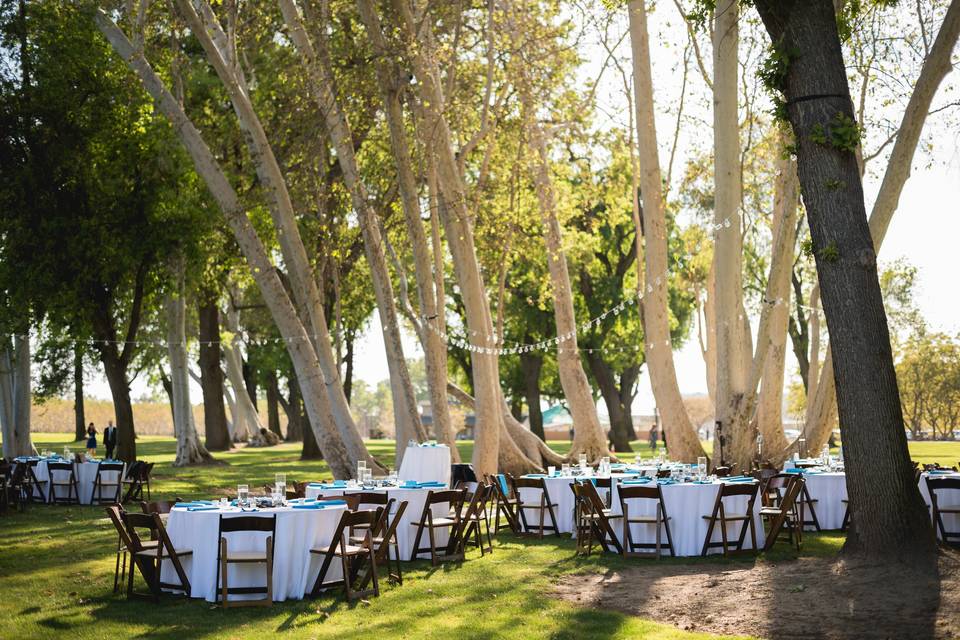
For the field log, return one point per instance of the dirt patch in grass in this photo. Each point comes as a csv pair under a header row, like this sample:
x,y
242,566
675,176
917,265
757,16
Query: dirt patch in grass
x,y
799,599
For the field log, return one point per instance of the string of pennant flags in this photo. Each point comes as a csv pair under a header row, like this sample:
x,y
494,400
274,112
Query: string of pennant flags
x,y
467,343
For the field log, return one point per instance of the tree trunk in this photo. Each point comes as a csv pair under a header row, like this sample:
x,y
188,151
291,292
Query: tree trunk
x,y
935,68
168,389
889,516
15,397
250,382
621,421
189,449
769,405
731,373
589,436
79,420
216,434
292,409
531,363
348,370
684,443
246,421
273,403
116,372
220,53
493,446
435,350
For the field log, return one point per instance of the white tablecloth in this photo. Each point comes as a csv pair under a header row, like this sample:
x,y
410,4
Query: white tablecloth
x,y
426,464
406,532
686,504
945,498
294,568
829,489
85,473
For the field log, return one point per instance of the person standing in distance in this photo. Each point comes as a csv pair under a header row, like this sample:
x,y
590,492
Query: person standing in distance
x,y
110,439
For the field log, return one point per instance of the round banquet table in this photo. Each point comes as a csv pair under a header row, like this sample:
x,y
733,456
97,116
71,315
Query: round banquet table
x,y
85,473
945,498
294,568
686,504
426,463
406,532
558,488
829,489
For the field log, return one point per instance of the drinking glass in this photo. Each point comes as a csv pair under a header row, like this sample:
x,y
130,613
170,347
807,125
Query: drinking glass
x,y
802,445
565,469
224,503
701,467
243,492
663,455
583,460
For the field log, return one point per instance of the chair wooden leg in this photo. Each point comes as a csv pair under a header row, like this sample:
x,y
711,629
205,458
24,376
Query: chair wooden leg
x,y
433,547
345,564
269,572
373,572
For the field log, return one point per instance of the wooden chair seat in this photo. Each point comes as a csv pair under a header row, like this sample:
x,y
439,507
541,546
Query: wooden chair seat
x,y
347,549
729,517
437,523
246,556
644,519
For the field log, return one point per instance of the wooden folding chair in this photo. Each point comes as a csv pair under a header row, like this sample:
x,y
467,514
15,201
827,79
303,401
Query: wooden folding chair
x,y
123,549
133,481
56,470
366,499
149,553
729,490
32,484
428,523
806,504
600,517
934,486
503,504
583,524
472,521
351,555
543,508
113,486
607,485
225,558
383,536
660,520
782,511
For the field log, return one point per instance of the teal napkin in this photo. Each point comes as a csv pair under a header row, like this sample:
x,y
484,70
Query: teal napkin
x,y
535,475
188,504
637,481
665,481
202,508
424,485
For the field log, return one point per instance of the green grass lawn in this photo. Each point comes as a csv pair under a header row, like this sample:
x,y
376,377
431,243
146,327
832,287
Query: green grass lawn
x,y
56,574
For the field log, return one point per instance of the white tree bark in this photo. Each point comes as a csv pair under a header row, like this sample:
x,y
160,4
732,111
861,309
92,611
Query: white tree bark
x,y
15,400
681,434
220,52
246,424
323,88
435,350
769,405
189,448
314,385
589,437
731,335
493,445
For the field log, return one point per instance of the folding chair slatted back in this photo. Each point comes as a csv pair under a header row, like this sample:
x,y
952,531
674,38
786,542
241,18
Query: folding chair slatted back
x,y
720,515
543,507
660,520
474,518
111,485
245,524
503,503
429,523
62,475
